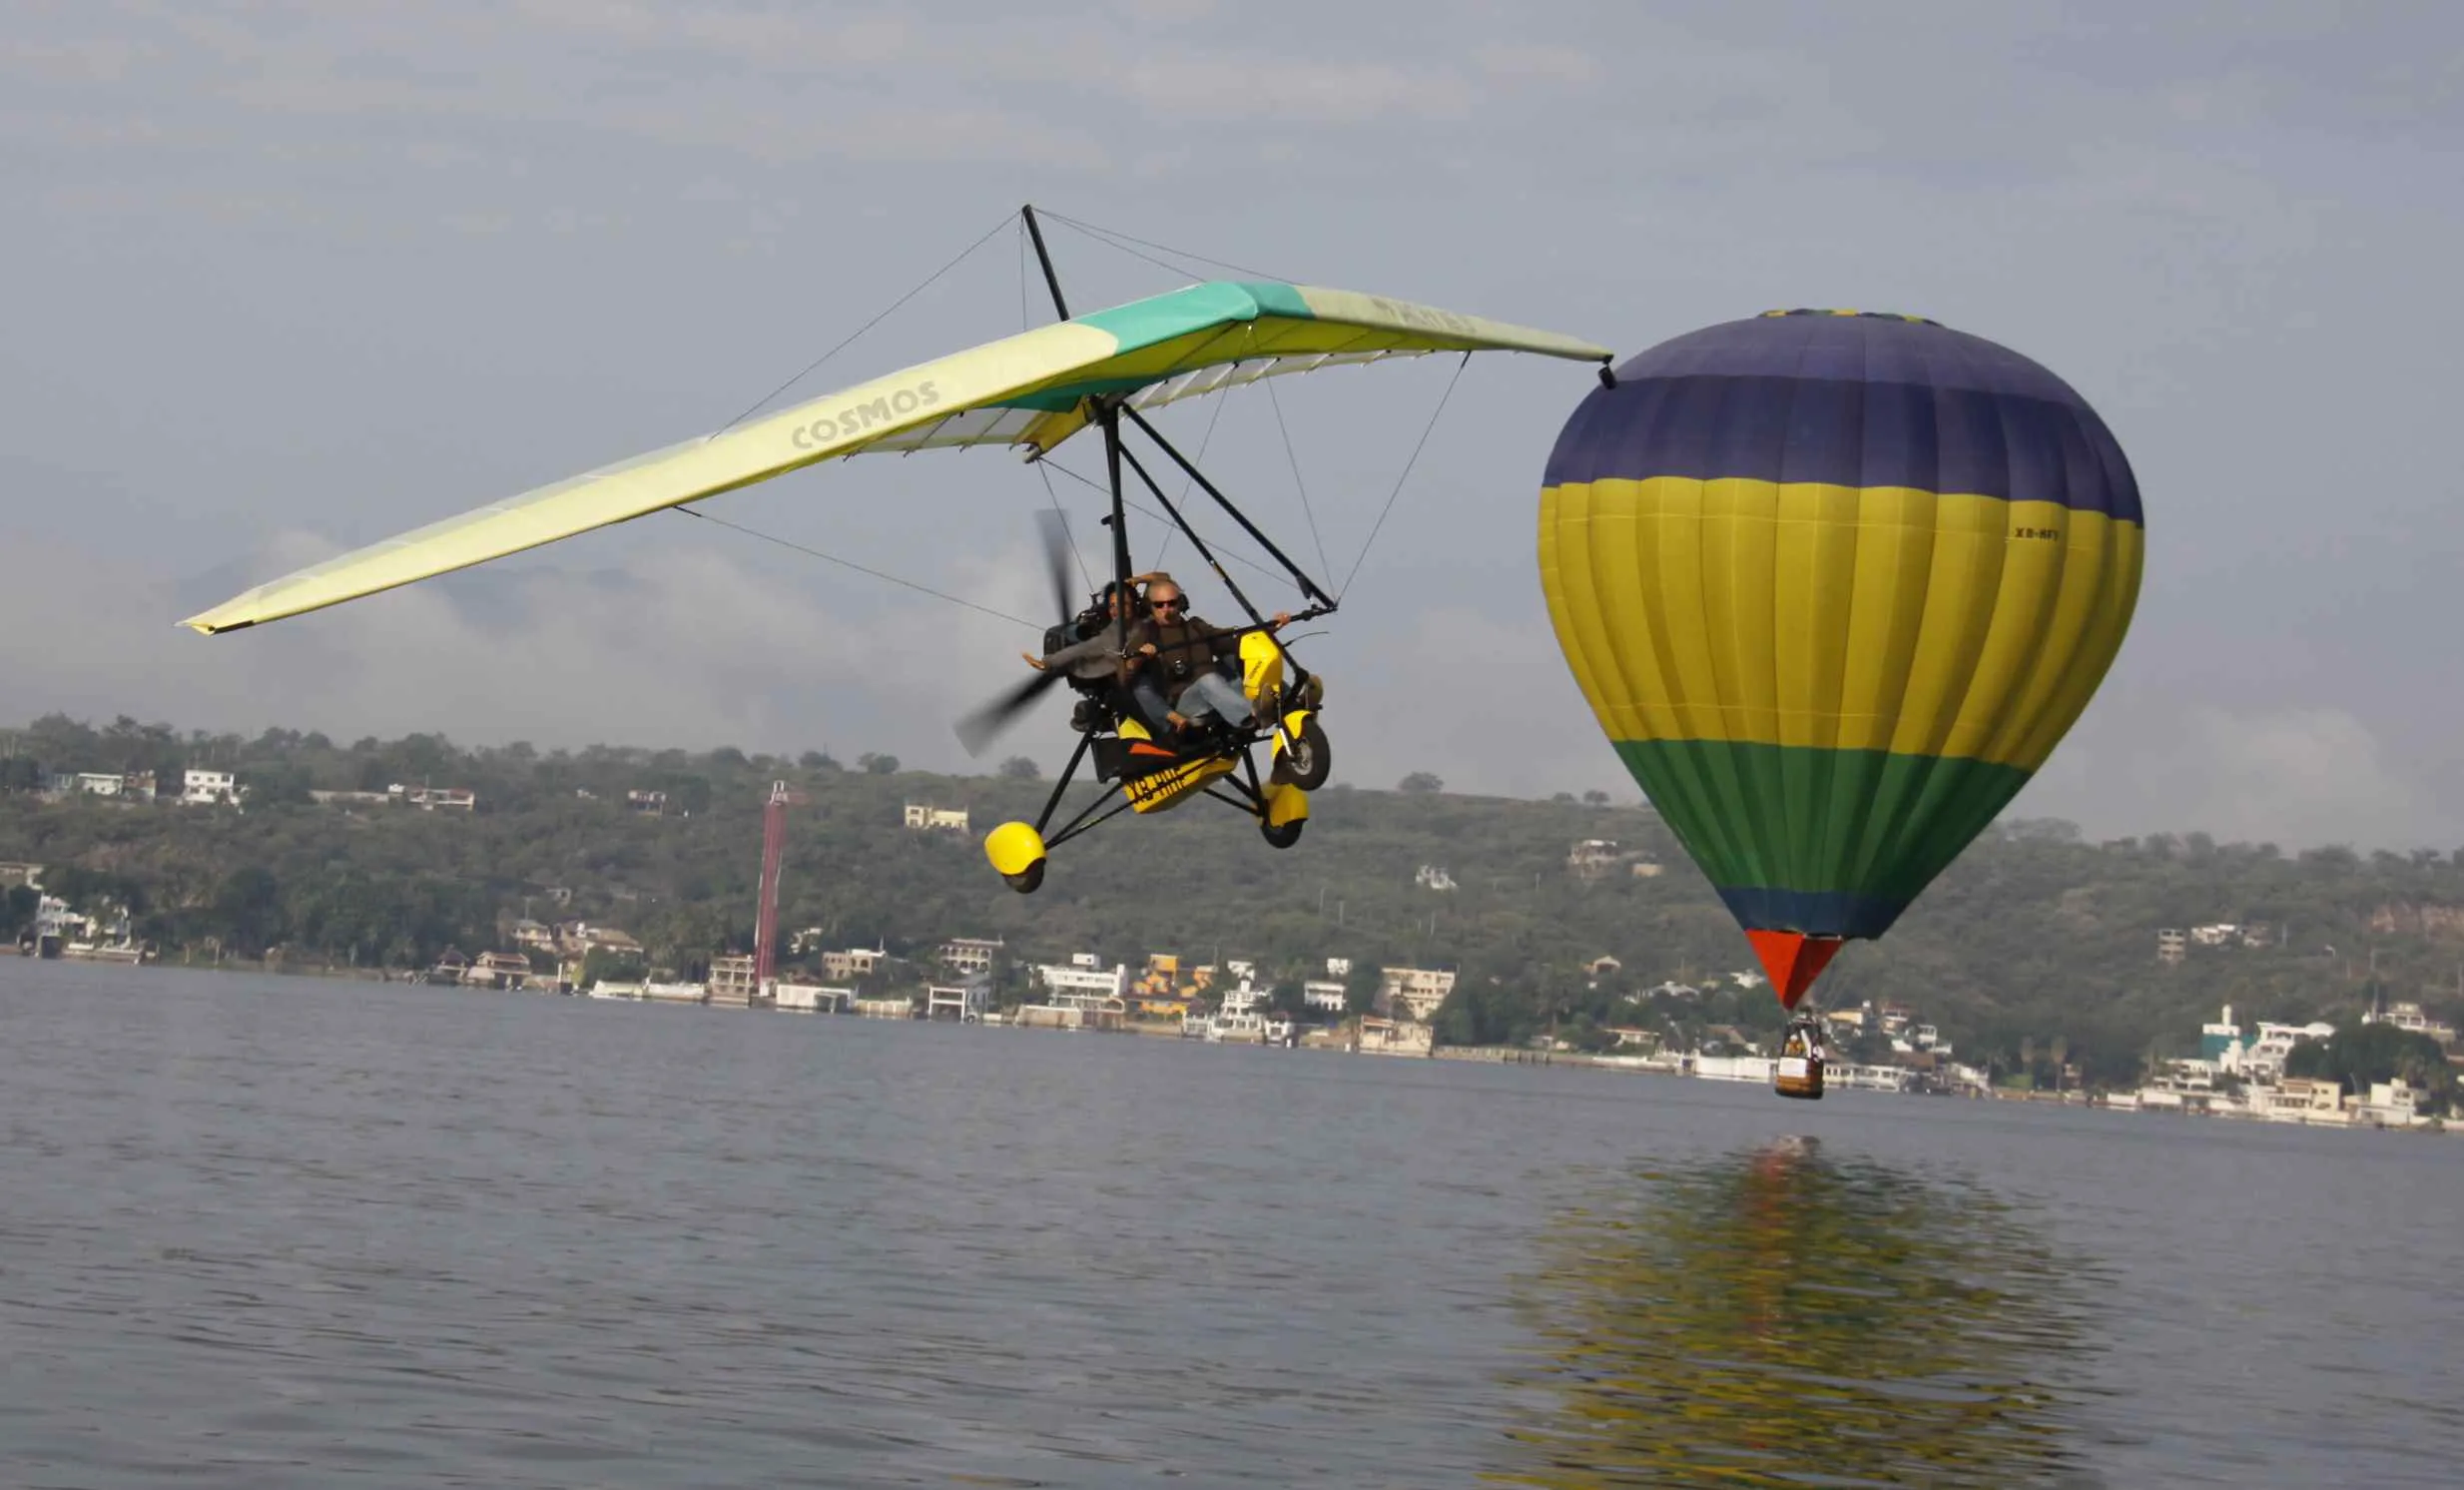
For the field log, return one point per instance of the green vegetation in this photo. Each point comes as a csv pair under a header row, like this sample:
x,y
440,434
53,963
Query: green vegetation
x,y
2033,942
2359,1055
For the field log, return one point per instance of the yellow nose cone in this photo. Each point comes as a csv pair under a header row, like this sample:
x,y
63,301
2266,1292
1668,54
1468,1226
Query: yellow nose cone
x,y
1013,848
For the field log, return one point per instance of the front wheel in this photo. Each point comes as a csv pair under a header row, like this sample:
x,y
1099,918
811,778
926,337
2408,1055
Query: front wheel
x,y
1307,758
1027,881
1285,836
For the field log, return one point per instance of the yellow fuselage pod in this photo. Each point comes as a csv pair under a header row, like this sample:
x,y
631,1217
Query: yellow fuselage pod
x,y
1013,848
1261,664
1285,804
1161,789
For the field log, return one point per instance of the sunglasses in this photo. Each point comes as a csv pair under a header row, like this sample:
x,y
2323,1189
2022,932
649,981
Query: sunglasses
x,y
1172,605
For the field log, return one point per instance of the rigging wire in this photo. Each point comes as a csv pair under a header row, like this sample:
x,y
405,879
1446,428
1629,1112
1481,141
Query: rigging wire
x,y
751,532
1026,315
1113,233
1407,476
1107,241
859,331
1092,484
1289,456
1053,495
1189,481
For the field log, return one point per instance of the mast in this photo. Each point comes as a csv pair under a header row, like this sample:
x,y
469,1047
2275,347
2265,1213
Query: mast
x,y
1051,281
1107,409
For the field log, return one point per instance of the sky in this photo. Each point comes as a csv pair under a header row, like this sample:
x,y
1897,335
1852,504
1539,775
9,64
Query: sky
x,y
285,279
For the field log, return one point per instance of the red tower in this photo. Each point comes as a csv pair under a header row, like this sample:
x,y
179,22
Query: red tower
x,y
766,916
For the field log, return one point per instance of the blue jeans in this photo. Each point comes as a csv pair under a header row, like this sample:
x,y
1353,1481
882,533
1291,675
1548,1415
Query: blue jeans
x,y
1207,693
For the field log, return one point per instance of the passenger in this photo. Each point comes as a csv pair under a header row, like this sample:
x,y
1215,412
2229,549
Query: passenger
x,y
1098,658
1182,655
1104,659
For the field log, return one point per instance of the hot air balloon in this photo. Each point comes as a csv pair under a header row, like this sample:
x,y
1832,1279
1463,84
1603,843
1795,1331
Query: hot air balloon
x,y
1835,583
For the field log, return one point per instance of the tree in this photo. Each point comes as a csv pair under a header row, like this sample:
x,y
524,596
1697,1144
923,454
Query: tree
x,y
1595,798
818,760
1021,768
1361,989
2359,1055
878,765
1421,781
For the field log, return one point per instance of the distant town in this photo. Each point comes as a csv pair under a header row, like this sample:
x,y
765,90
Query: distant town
x,y
1387,1010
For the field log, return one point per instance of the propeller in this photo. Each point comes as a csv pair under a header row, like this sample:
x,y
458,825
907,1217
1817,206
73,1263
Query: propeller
x,y
978,728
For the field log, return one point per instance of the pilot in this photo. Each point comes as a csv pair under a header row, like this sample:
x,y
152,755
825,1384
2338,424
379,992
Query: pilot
x,y
1183,657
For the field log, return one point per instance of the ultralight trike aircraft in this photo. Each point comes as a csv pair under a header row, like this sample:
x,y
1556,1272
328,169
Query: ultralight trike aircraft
x,y
1033,390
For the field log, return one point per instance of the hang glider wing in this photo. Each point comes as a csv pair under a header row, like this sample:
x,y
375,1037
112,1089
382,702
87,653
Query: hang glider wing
x,y
1032,389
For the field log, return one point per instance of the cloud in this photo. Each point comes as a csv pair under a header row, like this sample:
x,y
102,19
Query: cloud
x,y
2287,774
700,647
1487,705
1538,63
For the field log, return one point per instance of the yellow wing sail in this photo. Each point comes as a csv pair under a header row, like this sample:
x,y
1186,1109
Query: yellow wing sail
x,y
1030,390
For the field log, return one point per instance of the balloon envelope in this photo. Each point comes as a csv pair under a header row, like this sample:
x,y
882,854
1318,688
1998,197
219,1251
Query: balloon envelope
x,y
1835,584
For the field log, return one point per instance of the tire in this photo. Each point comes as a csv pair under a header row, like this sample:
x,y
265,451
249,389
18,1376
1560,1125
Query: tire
x,y
1285,836
1027,881
1307,760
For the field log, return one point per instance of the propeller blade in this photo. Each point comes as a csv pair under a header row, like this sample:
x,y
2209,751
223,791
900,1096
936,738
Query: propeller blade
x,y
979,729
1058,556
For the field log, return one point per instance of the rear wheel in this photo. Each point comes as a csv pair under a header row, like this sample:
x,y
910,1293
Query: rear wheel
x,y
1027,880
1307,758
1285,836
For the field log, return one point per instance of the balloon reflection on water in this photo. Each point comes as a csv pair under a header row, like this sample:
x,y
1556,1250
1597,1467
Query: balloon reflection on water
x,y
1784,1317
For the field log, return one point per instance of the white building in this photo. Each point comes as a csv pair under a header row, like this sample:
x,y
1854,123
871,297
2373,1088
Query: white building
x,y
855,962
924,818
429,797
1245,998
966,1003
2408,1015
970,954
1422,990
1086,980
2263,1059
206,789
2389,1105
1326,996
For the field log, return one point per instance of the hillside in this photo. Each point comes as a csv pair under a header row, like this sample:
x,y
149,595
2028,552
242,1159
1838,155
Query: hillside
x,y
2033,937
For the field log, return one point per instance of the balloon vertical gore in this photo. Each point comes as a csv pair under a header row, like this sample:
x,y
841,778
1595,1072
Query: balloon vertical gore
x,y
1835,584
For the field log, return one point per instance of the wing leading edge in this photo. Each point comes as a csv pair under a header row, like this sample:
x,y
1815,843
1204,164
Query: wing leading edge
x,y
1030,390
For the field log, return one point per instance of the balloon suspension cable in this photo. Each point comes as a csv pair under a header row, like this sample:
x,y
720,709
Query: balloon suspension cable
x,y
998,615
851,337
1431,429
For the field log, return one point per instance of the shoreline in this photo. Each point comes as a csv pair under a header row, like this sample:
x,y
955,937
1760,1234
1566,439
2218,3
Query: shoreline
x,y
1473,1055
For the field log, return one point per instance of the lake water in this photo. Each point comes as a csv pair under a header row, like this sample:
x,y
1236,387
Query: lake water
x,y
291,1232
